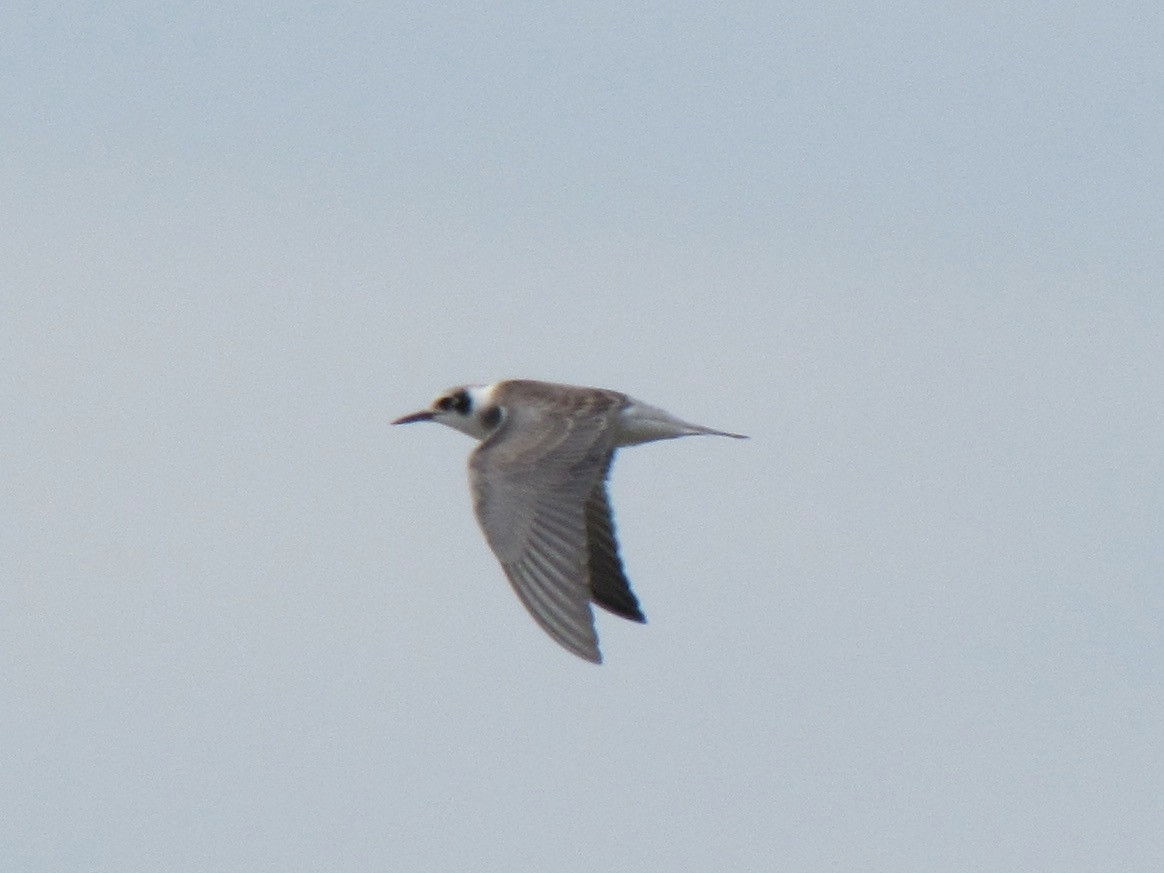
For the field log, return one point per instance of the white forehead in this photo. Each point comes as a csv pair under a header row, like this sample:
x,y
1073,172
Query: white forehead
x,y
481,395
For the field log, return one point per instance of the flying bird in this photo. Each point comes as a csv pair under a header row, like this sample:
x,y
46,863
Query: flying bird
x,y
538,480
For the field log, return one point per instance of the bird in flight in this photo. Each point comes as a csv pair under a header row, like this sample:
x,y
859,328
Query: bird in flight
x,y
538,480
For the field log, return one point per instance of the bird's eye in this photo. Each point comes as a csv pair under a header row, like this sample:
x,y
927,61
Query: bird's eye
x,y
457,402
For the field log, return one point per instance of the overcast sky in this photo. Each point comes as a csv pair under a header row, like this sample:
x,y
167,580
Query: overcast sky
x,y
915,624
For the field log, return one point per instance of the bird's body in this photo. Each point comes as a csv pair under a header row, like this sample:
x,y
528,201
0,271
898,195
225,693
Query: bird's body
x,y
538,480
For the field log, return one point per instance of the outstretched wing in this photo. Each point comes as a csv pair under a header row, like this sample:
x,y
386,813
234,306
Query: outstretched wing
x,y
609,587
533,483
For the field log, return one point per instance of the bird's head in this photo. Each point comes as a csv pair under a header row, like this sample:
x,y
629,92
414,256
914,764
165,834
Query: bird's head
x,y
469,409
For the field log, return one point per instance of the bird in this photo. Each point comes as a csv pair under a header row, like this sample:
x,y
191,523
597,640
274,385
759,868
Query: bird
x,y
538,481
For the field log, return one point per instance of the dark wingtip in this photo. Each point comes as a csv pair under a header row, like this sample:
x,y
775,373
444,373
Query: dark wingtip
x,y
590,656
621,607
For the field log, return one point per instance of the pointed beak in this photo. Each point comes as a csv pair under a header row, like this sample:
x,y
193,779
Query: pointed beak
x,y
423,415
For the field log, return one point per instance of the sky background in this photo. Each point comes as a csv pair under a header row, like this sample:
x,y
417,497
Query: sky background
x,y
916,252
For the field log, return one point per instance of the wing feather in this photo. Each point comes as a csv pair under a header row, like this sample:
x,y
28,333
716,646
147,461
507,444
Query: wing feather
x,y
608,583
534,483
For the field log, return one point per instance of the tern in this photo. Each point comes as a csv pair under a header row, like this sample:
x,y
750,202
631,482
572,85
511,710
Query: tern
x,y
538,480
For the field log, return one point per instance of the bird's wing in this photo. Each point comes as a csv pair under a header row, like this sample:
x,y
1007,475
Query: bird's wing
x,y
609,586
532,481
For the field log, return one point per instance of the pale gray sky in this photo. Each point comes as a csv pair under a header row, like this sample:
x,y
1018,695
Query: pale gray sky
x,y
915,624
